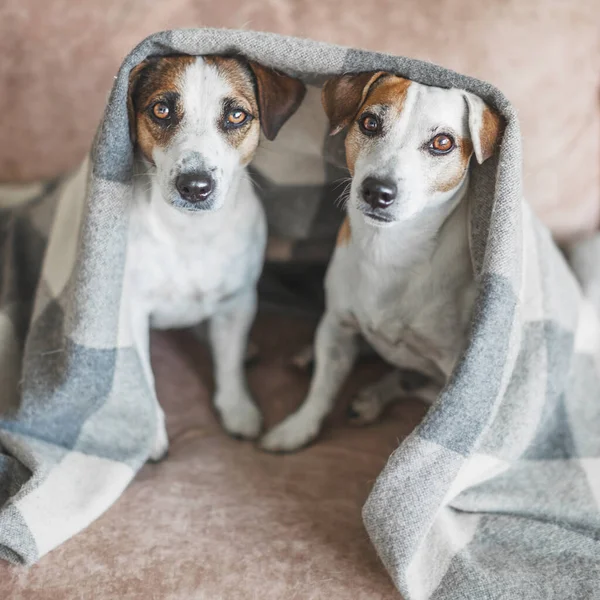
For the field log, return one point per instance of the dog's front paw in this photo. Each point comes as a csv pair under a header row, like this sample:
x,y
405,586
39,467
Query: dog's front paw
x,y
291,434
241,418
160,448
366,407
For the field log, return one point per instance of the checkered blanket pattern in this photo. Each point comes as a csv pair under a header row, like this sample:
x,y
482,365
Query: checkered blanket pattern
x,y
495,495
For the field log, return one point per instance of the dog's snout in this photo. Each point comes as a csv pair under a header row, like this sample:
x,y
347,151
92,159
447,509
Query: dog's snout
x,y
378,193
194,187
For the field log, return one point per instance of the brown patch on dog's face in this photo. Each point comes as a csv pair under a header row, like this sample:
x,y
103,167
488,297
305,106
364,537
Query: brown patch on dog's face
x,y
343,95
157,83
344,233
257,97
388,92
154,83
386,97
243,98
455,174
408,146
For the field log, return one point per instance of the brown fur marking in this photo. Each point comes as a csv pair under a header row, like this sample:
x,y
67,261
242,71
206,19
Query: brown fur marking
x,y
245,138
344,233
465,150
343,95
153,79
150,81
389,92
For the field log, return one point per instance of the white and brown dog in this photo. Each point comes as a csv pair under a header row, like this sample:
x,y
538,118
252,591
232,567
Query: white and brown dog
x,y
401,274
197,230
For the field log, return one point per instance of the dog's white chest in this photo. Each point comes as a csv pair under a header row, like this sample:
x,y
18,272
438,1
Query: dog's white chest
x,y
415,320
422,311
399,319
180,280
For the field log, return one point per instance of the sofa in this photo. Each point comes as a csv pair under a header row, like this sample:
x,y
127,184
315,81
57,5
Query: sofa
x,y
219,519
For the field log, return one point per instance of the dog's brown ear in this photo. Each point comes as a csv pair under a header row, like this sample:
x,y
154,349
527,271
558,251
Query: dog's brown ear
x,y
343,95
278,95
485,127
134,78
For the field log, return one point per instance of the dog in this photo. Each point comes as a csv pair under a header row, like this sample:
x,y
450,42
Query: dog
x,y
197,230
401,274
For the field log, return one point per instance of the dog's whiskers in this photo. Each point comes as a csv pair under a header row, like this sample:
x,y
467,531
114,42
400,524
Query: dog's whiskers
x,y
342,200
339,182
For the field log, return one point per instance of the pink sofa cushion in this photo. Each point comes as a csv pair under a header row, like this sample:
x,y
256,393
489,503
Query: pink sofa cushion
x,y
59,59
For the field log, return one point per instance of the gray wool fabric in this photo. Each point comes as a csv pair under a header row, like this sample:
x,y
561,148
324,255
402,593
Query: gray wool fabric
x,y
495,495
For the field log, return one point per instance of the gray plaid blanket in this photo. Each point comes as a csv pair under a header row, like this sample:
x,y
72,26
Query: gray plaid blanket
x,y
496,493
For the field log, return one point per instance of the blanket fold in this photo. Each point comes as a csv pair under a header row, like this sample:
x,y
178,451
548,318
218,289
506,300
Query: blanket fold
x,y
496,494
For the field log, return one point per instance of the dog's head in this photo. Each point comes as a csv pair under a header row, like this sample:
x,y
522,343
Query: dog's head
x,y
408,145
197,121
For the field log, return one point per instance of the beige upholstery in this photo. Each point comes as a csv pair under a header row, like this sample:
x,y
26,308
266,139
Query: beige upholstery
x,y
58,59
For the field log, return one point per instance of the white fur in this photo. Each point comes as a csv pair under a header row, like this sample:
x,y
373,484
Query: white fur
x,y
407,285
185,267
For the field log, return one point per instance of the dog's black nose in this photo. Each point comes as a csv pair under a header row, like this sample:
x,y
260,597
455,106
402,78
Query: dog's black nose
x,y
378,193
194,187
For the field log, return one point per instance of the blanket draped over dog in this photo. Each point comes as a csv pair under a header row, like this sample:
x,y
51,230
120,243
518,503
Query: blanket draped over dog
x,y
496,493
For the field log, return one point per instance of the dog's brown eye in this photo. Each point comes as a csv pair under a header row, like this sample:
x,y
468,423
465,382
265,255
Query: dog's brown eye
x,y
441,144
369,124
161,110
236,116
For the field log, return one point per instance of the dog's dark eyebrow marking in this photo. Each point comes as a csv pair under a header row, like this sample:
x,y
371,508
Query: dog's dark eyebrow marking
x,y
379,109
231,103
441,128
169,97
